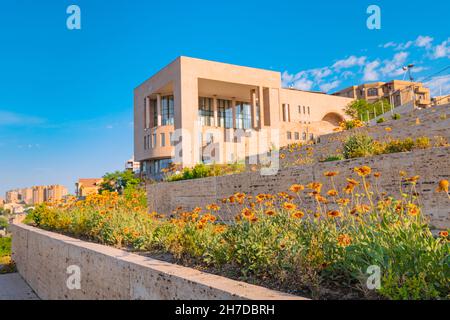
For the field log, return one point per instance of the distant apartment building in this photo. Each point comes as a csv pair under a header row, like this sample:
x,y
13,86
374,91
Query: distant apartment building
x,y
55,193
85,187
12,196
195,111
26,195
440,100
36,195
397,92
132,165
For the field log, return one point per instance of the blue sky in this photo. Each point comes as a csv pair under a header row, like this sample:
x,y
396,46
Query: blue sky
x,y
66,96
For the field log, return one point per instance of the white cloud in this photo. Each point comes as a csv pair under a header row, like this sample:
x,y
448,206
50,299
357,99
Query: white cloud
x,y
424,41
349,62
326,87
442,50
439,85
15,119
394,67
388,44
320,73
404,46
370,72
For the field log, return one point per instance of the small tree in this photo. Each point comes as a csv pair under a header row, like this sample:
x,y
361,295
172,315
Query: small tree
x,y
362,109
119,181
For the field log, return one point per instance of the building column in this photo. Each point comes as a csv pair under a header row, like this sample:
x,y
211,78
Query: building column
x,y
158,108
216,122
254,111
261,106
233,109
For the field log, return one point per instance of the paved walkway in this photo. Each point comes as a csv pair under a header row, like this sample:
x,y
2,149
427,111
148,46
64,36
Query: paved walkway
x,y
13,287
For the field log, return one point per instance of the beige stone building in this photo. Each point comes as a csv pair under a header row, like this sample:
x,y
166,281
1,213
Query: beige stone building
x,y
12,196
440,100
55,193
196,111
38,195
85,187
397,92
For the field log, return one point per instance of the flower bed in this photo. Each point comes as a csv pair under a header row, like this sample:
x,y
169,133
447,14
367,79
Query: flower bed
x,y
322,254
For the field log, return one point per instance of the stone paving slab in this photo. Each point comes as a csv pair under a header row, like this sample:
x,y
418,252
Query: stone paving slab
x,y
13,287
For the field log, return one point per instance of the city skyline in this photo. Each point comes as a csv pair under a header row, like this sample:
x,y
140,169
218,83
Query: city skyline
x,y
66,96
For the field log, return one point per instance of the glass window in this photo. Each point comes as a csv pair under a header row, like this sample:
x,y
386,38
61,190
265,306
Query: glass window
x,y
285,112
289,135
154,140
167,110
372,92
304,110
153,112
163,139
205,111
243,115
297,136
224,113
145,142
304,136
309,111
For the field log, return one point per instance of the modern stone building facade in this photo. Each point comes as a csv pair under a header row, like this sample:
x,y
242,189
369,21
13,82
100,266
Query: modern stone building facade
x,y
196,111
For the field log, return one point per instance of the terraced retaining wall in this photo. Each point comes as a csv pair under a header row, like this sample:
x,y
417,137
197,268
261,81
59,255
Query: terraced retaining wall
x,y
43,259
430,164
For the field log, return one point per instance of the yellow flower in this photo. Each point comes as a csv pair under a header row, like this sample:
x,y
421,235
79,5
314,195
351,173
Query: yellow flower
x,y
343,201
270,212
213,207
296,188
289,206
388,129
413,210
344,240
377,174
413,179
298,214
246,212
363,171
443,186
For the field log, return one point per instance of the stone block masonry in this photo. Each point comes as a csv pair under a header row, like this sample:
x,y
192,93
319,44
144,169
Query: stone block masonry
x,y
42,259
431,165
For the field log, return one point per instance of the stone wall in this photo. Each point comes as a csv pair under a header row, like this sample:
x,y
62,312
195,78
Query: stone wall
x,y
42,259
431,164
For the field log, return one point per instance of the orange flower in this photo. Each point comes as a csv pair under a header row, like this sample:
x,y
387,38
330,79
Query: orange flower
x,y
330,173
289,206
363,171
363,208
344,240
443,234
321,199
352,182
298,214
388,129
213,207
296,188
219,228
377,174
443,186
402,173
270,212
246,212
332,193
413,179
282,156
316,186
334,213
197,210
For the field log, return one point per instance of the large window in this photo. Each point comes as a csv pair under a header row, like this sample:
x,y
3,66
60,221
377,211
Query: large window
x,y
153,113
243,115
205,111
285,112
225,113
372,92
167,110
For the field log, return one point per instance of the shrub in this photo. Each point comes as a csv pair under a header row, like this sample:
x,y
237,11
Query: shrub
x,y
5,247
335,157
351,124
396,116
359,145
3,223
202,171
395,145
422,143
381,120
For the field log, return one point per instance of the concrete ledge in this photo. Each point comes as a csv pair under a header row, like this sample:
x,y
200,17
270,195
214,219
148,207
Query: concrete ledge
x,y
42,258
